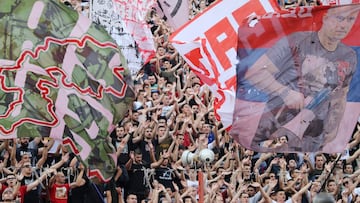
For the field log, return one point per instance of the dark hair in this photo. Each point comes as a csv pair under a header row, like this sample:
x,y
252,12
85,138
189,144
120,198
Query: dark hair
x,y
137,151
186,197
329,181
68,4
162,117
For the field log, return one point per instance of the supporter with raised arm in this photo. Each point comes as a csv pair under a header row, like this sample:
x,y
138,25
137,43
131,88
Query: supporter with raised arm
x,y
139,184
59,188
20,191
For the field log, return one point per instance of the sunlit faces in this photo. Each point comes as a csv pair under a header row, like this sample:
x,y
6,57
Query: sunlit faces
x,y
161,131
195,108
244,198
165,162
316,186
280,196
8,194
196,88
128,126
24,141
60,177
138,158
155,95
331,185
167,65
251,191
148,133
161,121
135,116
319,161
168,87
292,164
161,51
166,100
192,174
180,139
141,95
247,170
206,128
120,131
187,200
349,169
161,81
272,176
211,115
180,117
195,79
189,91
27,168
152,79
131,198
193,191
186,109
203,139
26,157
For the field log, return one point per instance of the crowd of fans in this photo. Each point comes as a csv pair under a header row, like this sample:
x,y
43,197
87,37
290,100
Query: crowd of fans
x,y
173,111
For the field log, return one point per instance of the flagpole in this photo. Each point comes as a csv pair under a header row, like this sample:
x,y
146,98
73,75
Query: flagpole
x,y
201,186
328,175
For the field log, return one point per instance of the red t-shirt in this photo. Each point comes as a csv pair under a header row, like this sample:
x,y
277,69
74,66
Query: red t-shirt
x,y
187,140
21,193
3,187
59,193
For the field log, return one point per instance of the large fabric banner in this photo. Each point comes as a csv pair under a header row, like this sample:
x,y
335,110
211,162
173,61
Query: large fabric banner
x,y
176,12
133,14
298,80
338,2
103,13
208,45
64,77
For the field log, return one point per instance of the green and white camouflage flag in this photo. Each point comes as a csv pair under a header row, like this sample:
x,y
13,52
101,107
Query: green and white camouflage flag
x,y
61,76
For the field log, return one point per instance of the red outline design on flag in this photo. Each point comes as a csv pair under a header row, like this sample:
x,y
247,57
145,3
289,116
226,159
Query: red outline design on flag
x,y
45,90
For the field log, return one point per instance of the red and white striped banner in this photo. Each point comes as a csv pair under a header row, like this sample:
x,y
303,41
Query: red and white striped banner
x,y
133,13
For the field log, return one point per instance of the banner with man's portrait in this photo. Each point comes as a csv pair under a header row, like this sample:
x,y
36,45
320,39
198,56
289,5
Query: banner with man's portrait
x,y
298,80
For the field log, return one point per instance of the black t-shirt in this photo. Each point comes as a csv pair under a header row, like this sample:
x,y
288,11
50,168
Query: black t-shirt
x,y
124,155
137,183
32,196
110,186
314,174
165,176
78,194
